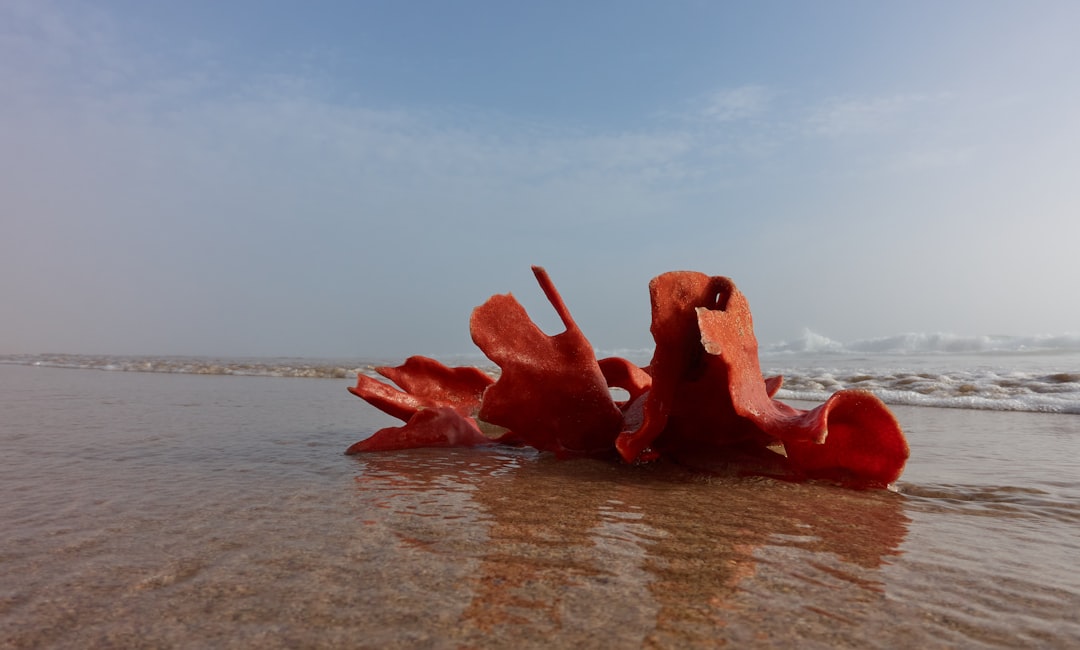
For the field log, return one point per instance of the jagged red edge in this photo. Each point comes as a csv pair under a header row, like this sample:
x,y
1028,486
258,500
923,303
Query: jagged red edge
x,y
702,399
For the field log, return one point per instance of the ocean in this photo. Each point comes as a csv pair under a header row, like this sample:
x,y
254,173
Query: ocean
x,y
190,502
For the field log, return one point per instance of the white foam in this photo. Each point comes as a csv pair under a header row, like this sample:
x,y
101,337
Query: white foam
x,y
915,343
982,387
1040,374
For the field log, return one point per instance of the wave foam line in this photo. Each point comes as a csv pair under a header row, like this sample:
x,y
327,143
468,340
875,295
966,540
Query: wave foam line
x,y
927,343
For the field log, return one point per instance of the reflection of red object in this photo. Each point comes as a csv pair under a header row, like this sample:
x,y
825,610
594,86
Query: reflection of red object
x,y
702,398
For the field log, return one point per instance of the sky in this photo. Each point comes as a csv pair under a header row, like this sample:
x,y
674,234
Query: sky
x,y
350,179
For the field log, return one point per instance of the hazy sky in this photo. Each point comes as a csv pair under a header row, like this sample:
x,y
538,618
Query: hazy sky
x,y
352,178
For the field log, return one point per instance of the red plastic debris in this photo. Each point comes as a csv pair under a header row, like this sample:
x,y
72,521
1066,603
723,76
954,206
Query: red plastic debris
x,y
439,426
702,398
427,379
551,393
437,402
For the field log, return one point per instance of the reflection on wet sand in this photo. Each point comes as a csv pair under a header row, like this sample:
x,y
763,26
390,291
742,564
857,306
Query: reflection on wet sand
x,y
595,553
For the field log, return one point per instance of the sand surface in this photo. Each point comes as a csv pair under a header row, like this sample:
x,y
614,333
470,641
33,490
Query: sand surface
x,y
183,511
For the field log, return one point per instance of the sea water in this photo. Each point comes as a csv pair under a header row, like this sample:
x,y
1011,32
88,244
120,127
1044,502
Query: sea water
x,y
998,373
158,502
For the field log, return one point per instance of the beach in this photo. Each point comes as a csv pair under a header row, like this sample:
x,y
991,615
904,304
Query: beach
x,y
157,510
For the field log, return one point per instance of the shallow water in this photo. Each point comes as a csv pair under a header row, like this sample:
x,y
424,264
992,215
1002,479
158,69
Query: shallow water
x,y
1043,381
150,510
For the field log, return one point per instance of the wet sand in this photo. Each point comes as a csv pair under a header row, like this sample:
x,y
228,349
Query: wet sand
x,y
185,511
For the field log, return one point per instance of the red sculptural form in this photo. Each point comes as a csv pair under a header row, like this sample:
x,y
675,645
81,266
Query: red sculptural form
x,y
702,400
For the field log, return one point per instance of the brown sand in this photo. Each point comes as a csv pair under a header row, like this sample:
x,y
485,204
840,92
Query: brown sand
x,y
166,511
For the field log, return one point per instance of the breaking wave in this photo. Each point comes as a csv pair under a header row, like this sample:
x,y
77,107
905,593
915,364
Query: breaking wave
x,y
920,343
983,388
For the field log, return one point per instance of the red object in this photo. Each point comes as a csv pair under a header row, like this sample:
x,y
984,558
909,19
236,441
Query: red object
x,y
552,392
702,399
437,403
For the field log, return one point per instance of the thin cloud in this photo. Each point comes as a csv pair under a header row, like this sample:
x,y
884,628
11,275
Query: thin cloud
x,y
859,116
933,158
732,104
